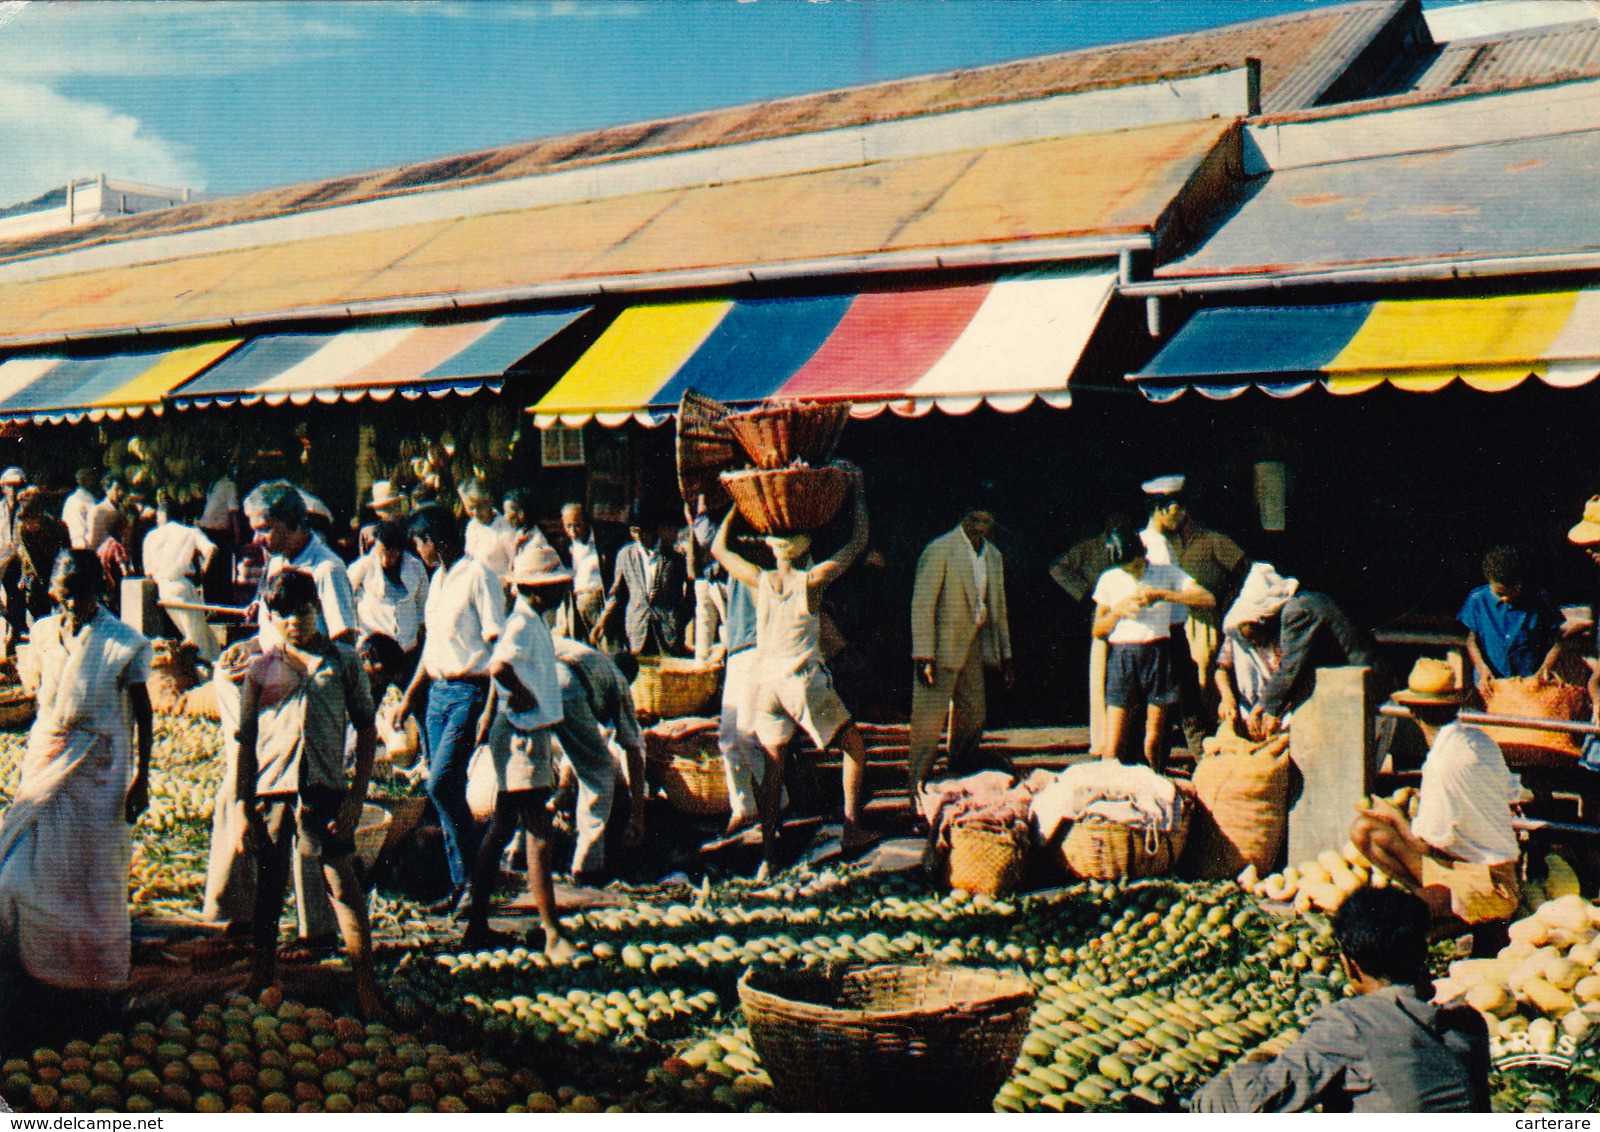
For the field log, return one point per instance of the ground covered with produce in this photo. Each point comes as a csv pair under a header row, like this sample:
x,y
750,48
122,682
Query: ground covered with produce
x,y
1144,991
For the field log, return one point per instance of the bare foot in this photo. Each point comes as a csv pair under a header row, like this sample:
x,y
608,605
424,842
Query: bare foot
x,y
855,836
557,948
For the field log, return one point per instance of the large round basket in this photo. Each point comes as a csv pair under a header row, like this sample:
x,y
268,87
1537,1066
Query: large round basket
x,y
1097,849
696,788
17,707
888,1037
689,770
669,687
987,860
706,449
788,501
371,832
779,435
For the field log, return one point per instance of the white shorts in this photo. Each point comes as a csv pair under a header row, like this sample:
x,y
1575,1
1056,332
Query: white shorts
x,y
804,700
522,759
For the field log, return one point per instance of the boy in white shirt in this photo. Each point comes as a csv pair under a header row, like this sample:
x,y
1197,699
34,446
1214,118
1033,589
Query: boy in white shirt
x,y
524,705
1133,615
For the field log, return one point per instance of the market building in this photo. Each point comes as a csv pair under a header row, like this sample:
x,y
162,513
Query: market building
x,y
962,256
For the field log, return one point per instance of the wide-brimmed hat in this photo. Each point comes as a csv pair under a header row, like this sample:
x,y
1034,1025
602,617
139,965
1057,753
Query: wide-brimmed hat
x,y
13,476
537,565
384,495
1431,682
1587,532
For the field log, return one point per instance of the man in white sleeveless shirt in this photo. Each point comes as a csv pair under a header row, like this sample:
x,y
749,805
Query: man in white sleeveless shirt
x,y
795,689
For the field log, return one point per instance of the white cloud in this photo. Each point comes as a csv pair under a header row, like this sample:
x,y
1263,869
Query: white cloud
x,y
48,138
139,38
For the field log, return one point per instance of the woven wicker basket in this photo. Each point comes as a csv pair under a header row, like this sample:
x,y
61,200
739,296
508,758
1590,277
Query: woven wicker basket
x,y
788,501
696,788
1097,849
886,1037
705,449
987,860
371,832
669,687
779,435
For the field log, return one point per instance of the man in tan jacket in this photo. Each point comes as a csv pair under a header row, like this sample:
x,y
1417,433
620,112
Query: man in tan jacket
x,y
959,627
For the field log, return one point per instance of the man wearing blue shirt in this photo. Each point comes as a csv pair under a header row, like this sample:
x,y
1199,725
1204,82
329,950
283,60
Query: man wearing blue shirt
x,y
1513,629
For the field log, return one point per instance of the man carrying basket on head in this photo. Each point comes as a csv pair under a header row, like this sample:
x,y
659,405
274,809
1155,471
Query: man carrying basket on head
x,y
795,689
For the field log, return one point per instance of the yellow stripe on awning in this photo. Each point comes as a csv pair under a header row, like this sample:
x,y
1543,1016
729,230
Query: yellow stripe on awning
x,y
638,354
1439,334
170,371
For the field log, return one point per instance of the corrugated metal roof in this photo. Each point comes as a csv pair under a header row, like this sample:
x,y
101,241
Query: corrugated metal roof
x,y
1548,53
1301,56
1119,183
1522,197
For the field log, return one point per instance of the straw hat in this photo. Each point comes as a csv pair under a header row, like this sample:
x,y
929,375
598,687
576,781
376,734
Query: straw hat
x,y
537,566
1587,532
385,497
1431,682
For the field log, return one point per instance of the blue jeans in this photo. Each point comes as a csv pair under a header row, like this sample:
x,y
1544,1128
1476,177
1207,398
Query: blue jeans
x,y
449,726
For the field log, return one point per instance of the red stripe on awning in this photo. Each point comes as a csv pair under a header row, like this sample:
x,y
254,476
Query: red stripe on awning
x,y
886,341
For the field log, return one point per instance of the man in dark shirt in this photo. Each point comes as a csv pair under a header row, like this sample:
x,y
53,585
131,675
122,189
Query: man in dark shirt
x,y
1311,633
1389,1049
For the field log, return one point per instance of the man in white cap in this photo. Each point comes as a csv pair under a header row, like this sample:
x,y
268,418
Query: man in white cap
x,y
12,481
1213,560
1249,659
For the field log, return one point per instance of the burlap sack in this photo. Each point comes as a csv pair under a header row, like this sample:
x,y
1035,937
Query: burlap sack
x,y
1532,698
1243,811
172,673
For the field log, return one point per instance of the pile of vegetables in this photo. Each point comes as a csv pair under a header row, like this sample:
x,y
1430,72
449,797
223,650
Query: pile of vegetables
x,y
1145,989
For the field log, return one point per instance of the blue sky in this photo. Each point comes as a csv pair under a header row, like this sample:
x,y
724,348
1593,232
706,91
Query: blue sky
x,y
241,95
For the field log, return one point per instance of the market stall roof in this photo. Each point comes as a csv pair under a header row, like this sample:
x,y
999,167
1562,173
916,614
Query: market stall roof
x,y
56,388
1482,184
1556,50
1057,197
1491,343
411,359
1305,57
1006,342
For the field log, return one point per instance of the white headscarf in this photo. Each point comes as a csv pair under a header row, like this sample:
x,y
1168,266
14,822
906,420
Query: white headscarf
x,y
1264,593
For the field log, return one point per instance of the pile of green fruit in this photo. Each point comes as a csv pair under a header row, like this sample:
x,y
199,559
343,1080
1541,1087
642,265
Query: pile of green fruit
x,y
269,1055
1145,991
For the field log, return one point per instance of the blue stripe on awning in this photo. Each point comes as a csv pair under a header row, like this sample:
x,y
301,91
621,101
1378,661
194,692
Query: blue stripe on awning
x,y
758,345
79,381
256,361
1242,341
513,338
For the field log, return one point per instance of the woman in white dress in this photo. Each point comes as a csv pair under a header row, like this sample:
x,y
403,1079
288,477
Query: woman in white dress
x,y
66,840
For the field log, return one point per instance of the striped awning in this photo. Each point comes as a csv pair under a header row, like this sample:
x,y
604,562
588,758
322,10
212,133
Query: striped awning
x,y
1491,343
1004,342
411,359
56,388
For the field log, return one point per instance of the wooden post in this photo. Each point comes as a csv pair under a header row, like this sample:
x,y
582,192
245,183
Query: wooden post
x,y
139,608
1330,741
